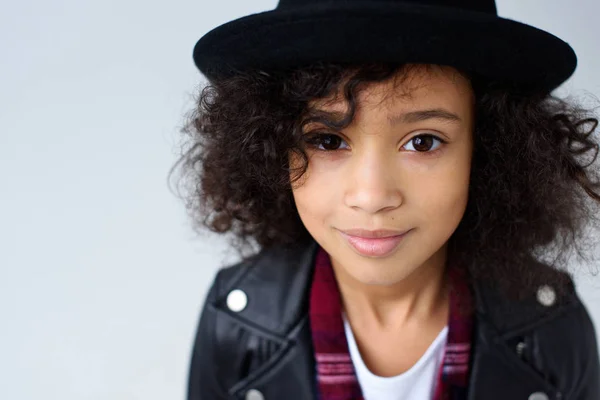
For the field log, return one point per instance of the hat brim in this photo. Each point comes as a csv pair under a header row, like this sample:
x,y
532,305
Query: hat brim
x,y
494,47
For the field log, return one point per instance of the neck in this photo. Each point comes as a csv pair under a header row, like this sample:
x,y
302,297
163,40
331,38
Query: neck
x,y
420,298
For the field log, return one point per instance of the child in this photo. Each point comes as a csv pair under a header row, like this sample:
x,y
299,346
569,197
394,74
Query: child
x,y
411,189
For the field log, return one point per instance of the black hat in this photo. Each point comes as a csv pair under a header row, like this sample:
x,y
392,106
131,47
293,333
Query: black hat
x,y
465,34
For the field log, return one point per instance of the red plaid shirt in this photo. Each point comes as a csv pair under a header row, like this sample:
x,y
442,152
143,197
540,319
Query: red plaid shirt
x,y
336,378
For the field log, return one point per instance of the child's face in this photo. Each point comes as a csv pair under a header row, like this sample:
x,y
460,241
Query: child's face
x,y
374,178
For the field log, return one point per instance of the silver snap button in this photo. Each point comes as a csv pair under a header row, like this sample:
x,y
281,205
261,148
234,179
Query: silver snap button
x,y
546,296
237,300
520,348
538,396
254,394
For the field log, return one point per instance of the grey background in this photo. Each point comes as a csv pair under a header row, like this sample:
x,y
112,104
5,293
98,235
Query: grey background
x,y
101,277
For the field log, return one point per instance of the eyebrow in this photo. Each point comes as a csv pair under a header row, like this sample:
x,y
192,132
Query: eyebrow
x,y
422,115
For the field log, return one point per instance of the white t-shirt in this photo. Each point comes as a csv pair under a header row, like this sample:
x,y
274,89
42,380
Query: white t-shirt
x,y
418,383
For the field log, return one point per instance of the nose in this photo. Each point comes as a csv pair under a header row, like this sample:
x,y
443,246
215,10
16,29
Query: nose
x,y
372,184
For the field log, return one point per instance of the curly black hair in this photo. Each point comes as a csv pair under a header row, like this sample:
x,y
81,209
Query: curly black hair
x,y
534,185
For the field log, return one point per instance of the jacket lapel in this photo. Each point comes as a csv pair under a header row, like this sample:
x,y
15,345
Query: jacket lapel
x,y
289,374
497,373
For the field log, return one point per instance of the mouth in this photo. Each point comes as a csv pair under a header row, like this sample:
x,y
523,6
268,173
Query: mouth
x,y
373,243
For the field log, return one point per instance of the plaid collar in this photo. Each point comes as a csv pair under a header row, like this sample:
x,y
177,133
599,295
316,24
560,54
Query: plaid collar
x,y
336,378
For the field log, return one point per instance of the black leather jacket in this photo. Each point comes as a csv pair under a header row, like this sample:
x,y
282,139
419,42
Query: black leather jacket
x,y
537,349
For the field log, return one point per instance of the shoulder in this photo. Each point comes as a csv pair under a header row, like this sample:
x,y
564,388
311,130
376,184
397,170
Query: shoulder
x,y
275,273
550,294
267,292
565,347
549,330
570,349
250,309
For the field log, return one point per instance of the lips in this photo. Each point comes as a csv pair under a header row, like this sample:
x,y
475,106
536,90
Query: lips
x,y
374,246
380,233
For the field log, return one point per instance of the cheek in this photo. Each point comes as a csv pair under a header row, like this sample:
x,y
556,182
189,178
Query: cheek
x,y
316,188
443,198
312,197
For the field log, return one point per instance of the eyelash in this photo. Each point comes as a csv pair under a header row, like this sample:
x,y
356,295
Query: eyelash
x,y
315,139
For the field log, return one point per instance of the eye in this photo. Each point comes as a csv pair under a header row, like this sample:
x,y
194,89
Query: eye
x,y
424,143
324,141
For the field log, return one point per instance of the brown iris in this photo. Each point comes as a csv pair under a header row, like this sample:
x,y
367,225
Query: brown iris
x,y
422,143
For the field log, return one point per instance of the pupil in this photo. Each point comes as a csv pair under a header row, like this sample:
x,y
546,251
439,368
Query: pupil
x,y
330,142
423,143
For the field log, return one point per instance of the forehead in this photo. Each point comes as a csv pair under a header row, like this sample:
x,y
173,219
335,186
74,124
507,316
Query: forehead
x,y
414,84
